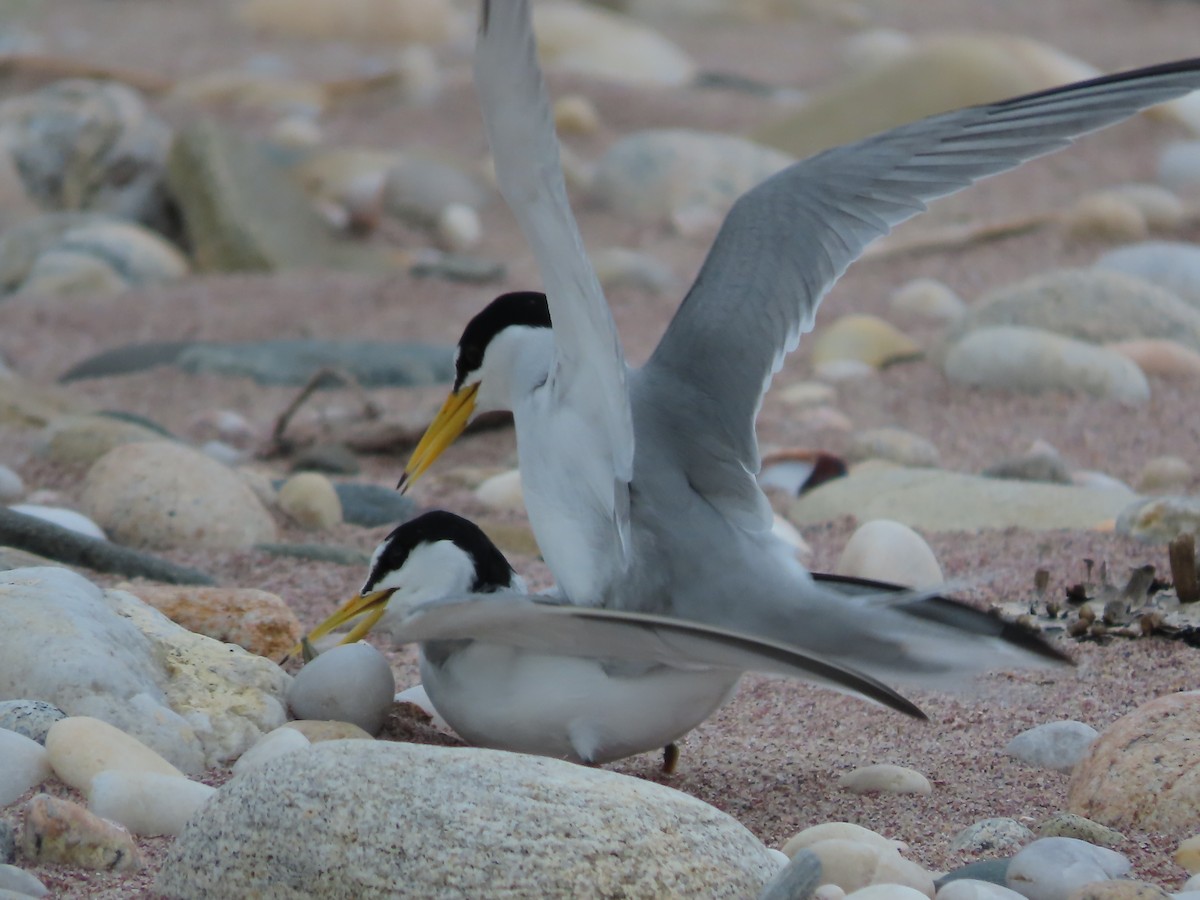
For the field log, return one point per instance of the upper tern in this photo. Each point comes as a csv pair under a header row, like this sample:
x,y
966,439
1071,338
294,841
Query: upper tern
x,y
530,674
640,483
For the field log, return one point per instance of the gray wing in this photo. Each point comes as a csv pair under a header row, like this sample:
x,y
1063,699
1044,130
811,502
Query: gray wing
x,y
545,626
785,242
590,373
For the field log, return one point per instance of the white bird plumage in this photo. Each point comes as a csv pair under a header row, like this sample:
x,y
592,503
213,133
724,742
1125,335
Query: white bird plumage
x,y
640,484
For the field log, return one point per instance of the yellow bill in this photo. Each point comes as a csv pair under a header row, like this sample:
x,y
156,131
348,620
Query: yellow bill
x,y
447,425
369,607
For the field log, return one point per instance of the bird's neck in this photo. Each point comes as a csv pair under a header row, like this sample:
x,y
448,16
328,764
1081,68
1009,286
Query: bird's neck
x,y
519,361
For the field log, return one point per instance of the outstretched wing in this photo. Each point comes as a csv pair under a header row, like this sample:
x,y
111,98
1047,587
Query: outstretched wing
x,y
544,626
785,243
590,372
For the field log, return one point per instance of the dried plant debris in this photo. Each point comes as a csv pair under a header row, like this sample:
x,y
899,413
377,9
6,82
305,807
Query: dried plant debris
x,y
1097,608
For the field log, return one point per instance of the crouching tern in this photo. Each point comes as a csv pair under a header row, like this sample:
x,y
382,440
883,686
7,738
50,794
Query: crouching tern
x,y
532,674
640,483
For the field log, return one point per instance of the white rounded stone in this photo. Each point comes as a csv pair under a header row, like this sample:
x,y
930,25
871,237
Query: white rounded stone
x,y
458,228
502,492
348,683
885,550
1179,165
1162,209
11,485
80,748
1052,868
145,802
885,778
1053,745
928,298
23,764
974,889
1105,216
576,114
20,883
837,831
276,743
64,518
852,865
828,892
1165,474
887,892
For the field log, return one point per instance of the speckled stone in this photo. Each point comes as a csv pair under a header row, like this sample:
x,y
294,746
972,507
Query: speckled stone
x,y
1065,824
991,835
31,718
439,813
59,831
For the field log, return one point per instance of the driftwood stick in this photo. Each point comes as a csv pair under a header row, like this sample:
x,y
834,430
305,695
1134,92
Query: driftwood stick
x,y
1182,553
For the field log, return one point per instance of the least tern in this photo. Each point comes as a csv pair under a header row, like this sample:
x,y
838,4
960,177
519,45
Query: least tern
x,y
533,675
640,483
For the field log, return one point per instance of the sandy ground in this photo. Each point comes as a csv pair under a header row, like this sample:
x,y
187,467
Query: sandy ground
x,y
772,757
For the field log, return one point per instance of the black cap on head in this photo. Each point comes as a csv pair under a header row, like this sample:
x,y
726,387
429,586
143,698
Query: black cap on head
x,y
492,571
527,308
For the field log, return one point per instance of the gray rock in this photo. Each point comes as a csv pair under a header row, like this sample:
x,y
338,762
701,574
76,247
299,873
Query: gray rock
x,y
332,459
92,145
994,871
1159,520
934,500
31,718
8,844
62,517
651,175
895,445
795,881
349,683
998,834
1172,265
1041,465
243,212
21,882
164,494
1033,360
294,362
459,267
106,654
1179,165
370,505
1087,304
11,486
136,254
1052,868
1065,824
363,817
1053,745
416,190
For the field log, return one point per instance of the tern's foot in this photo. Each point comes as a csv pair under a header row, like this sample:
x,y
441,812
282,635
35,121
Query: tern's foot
x,y
670,759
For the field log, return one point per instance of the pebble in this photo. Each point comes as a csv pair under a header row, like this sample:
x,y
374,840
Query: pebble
x,y
1052,868
1040,463
836,370
894,445
1179,165
311,500
1158,356
60,831
8,843
885,778
458,228
11,486
576,114
619,267
1172,265
1032,360
226,425
933,500
318,730
419,190
331,458
80,747
158,494
887,892
886,550
21,882
371,505
522,821
603,44
1162,209
1159,520
502,492
1105,216
828,892
138,255
842,831
258,621
852,865
864,339
281,740
655,175
1053,745
1187,854
80,440
928,298
64,518
1065,824
1001,835
972,889
146,803
23,764
1135,775
349,683
31,718
797,879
